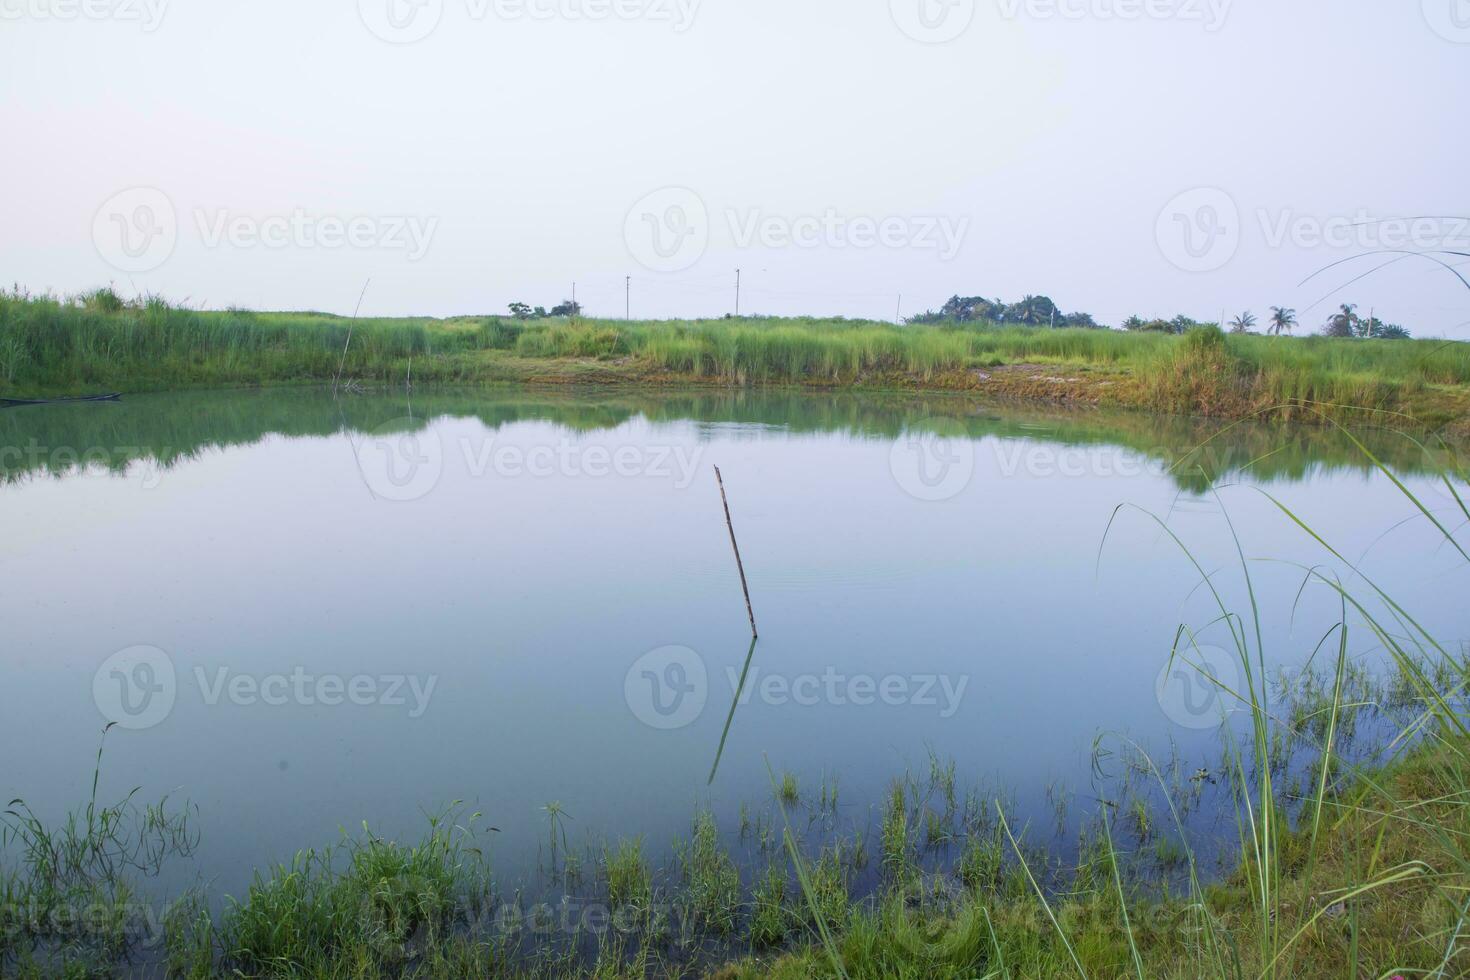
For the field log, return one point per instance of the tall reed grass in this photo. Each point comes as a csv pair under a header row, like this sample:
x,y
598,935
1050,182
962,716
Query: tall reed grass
x,y
100,341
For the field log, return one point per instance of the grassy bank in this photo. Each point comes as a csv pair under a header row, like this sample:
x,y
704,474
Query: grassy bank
x,y
50,346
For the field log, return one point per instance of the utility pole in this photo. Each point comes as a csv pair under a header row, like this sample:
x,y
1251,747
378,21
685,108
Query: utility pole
x,y
574,299
737,293
898,310
627,287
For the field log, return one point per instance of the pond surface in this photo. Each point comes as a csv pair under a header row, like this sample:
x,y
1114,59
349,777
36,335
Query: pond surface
x,y
306,613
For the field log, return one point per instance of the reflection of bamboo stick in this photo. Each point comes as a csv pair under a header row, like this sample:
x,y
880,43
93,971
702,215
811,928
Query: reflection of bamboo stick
x,y
739,689
738,564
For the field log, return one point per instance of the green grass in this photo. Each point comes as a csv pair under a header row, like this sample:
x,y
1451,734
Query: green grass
x,y
894,837
98,341
389,901
712,882
629,879
771,918
75,893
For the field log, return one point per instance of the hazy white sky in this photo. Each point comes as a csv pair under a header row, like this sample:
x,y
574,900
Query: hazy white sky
x,y
1122,156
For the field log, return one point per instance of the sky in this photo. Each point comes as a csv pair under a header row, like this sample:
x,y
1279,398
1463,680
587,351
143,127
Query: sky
x,y
863,158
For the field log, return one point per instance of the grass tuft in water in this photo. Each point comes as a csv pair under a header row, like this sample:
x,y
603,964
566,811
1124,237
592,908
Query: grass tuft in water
x,y
629,879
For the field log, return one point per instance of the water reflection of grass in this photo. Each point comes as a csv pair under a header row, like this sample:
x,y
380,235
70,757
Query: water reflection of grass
x,y
171,430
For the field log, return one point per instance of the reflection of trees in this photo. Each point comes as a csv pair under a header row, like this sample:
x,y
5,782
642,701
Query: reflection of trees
x,y
168,430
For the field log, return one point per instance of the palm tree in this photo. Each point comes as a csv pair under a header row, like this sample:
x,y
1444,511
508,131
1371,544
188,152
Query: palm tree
x,y
1283,318
1344,323
1243,322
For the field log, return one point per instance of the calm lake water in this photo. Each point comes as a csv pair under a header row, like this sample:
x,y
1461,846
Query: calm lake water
x,y
307,613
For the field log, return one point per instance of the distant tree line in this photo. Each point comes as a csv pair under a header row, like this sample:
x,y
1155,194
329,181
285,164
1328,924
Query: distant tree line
x,y
1180,324
1344,323
1040,311
1032,311
565,308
